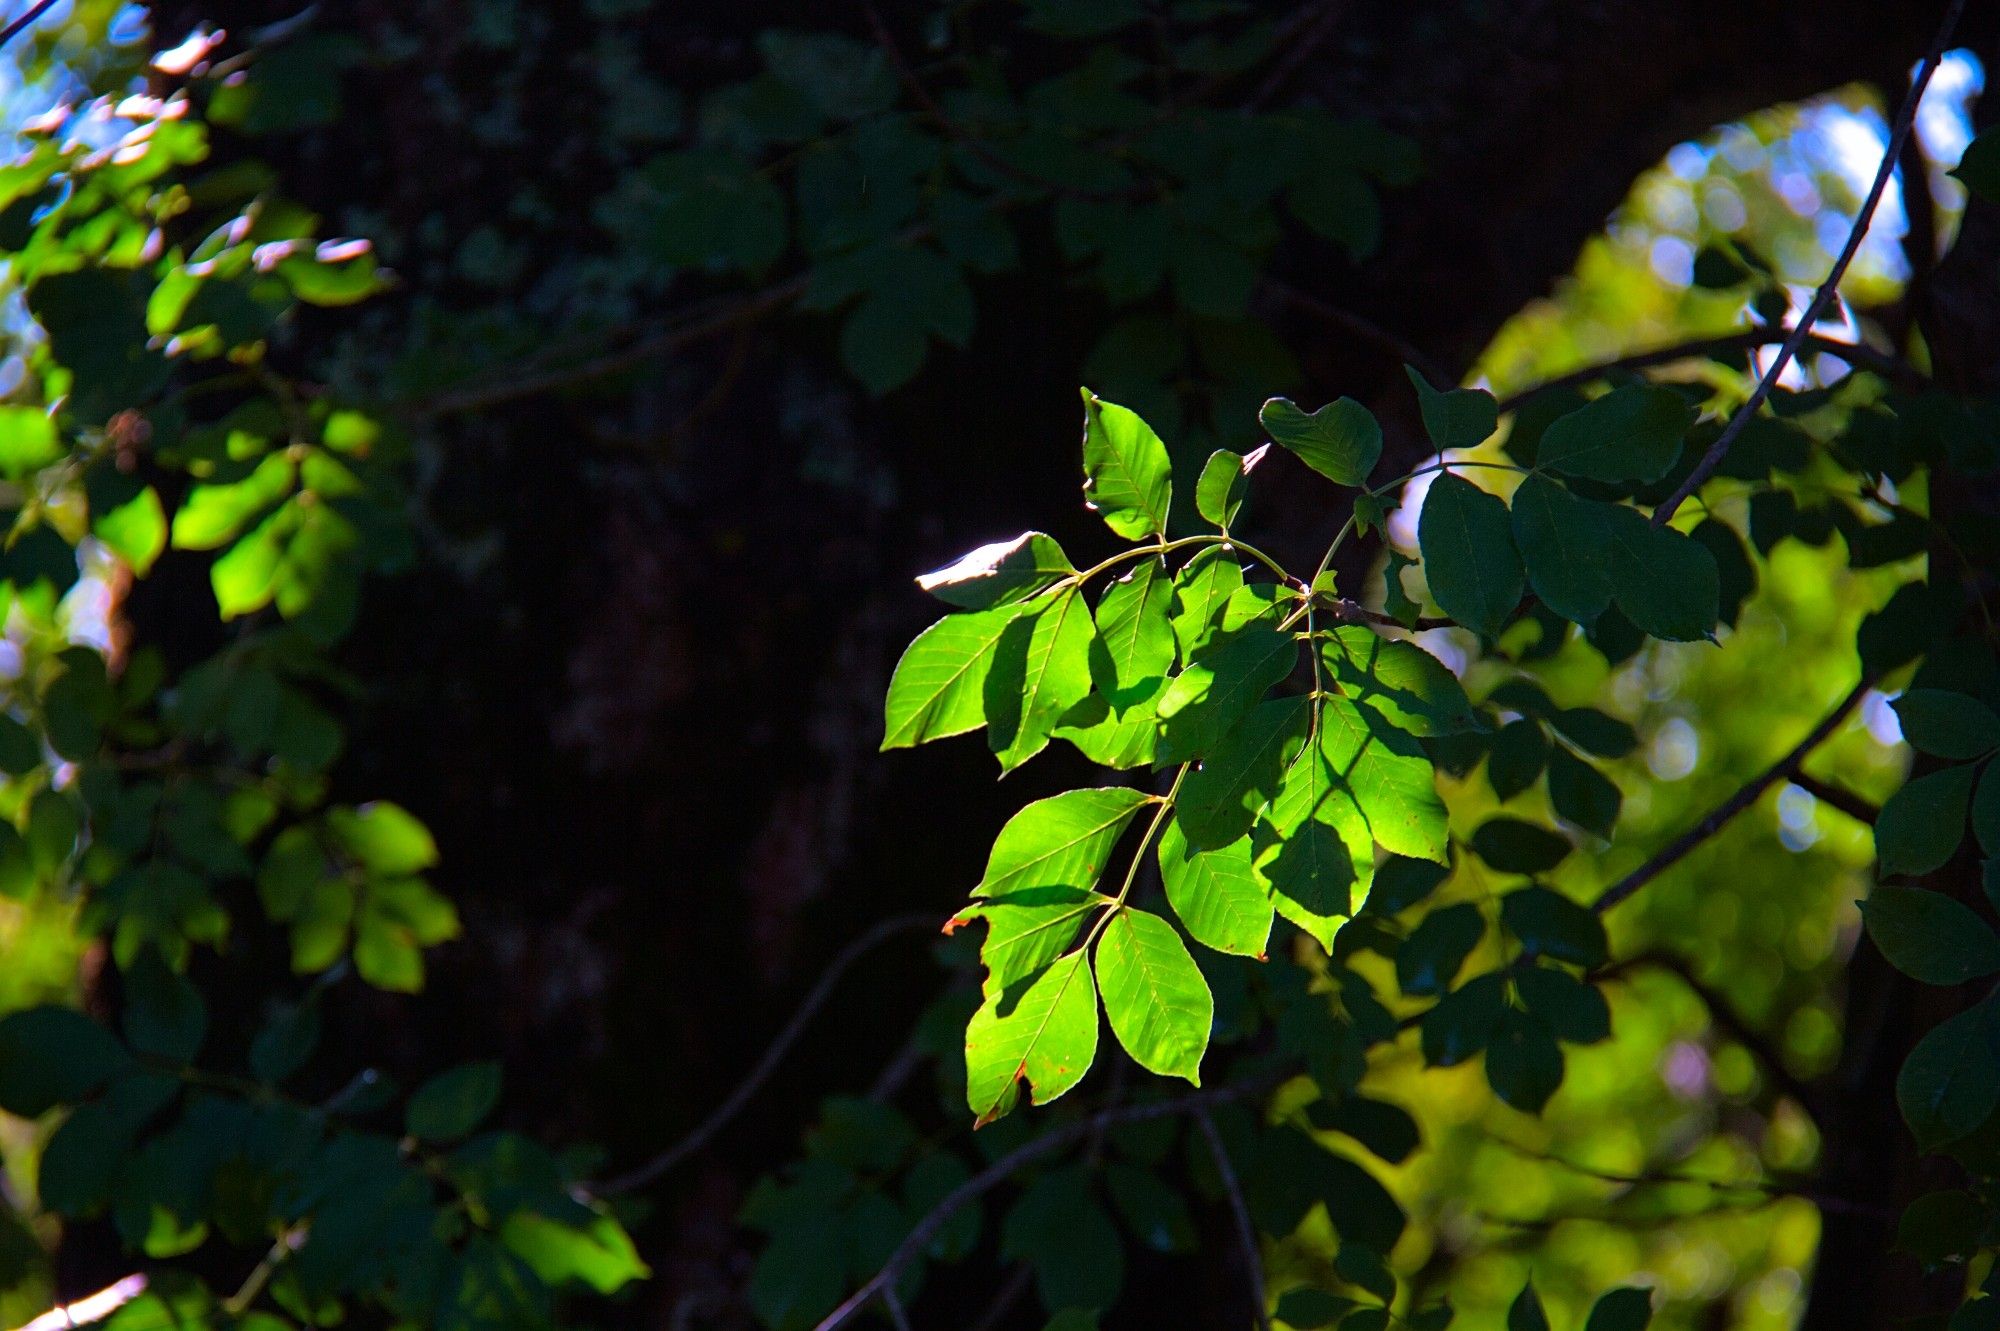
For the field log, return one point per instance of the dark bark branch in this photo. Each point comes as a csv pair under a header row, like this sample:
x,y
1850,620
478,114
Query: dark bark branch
x,y
1246,1234
1838,797
1011,1164
1735,804
1822,298
23,23
1866,357
749,1086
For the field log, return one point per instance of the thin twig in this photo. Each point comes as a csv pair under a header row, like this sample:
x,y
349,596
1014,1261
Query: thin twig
x,y
1732,806
749,1086
1005,1298
1822,298
1724,1014
493,394
1246,1235
913,83
1296,53
1854,353
1012,1163
23,23
91,1307
1838,797
1366,329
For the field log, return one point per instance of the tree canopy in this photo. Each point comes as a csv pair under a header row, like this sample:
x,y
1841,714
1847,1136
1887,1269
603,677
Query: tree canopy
x,y
532,531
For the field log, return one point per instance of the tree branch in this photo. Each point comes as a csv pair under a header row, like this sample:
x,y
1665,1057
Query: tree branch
x,y
1854,353
1365,329
1732,806
26,21
749,1086
1012,1163
1838,797
1246,1236
1822,298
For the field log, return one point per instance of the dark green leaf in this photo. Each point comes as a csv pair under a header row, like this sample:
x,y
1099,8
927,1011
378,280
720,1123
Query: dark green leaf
x,y
1572,1009
1383,1128
1524,1064
1551,925
1430,958
453,1103
1626,1309
1341,441
1986,810
1581,794
1516,846
1939,1226
1463,1021
1630,434
164,1015
51,1056
1455,418
1594,732
1664,582
1405,684
1469,556
1516,756
1525,1313
1310,1309
1946,724
1930,937
1736,575
1978,167
1563,543
1401,882
1950,1082
1921,825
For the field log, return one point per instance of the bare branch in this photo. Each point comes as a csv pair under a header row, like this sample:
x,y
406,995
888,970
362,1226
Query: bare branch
x,y
1365,329
1246,1235
1732,806
749,1086
1838,797
1822,298
91,1307
1012,1163
26,21
1854,353
1307,37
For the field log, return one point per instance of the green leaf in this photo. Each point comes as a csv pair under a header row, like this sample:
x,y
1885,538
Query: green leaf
x,y
212,515
285,1042
1572,1009
20,751
1986,810
1201,589
1205,702
1457,417
164,1013
1463,1021
1154,996
1630,434
1401,882
939,685
1930,937
1430,958
1563,543
53,1055
1310,1309
1921,825
1946,724
1385,1129
1001,573
28,441
82,1161
1062,841
1405,684
136,530
1978,167
1342,441
1041,669
1549,924
1391,779
1950,1083
1525,1313
1060,1229
1119,737
1219,799
1216,893
453,1103
597,1254
1043,1030
384,837
1127,479
1594,732
1395,598
1134,646
1516,756
1516,846
1469,556
1626,1309
1524,1064
1581,794
1312,846
1225,478
1027,929
1664,582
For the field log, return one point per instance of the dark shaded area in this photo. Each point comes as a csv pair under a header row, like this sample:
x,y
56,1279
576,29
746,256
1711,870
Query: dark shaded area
x,y
633,683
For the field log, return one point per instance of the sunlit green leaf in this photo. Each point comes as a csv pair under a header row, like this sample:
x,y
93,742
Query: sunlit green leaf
x,y
1043,1031
1216,893
1127,479
1341,441
1062,841
1154,997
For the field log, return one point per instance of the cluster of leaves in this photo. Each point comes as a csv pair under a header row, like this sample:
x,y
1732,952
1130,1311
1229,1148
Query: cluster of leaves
x,y
186,809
